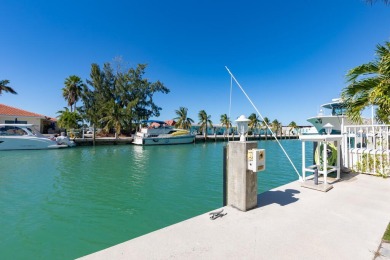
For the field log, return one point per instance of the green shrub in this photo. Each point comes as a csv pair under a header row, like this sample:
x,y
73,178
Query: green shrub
x,y
366,164
386,236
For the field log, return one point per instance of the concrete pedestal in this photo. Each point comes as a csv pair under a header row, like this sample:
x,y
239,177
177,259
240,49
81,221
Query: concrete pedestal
x,y
321,186
241,183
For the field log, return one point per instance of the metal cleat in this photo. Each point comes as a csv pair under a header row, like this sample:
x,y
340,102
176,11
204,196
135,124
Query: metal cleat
x,y
217,214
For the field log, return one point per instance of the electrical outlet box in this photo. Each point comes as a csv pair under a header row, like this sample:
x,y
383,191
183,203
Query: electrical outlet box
x,y
256,160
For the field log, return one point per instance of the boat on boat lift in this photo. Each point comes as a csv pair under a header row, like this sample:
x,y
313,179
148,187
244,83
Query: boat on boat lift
x,y
337,117
154,132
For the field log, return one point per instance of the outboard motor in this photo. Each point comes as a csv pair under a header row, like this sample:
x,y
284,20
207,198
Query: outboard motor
x,y
64,140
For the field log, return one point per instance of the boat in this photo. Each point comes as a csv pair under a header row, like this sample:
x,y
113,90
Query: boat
x,y
308,130
154,132
26,137
337,117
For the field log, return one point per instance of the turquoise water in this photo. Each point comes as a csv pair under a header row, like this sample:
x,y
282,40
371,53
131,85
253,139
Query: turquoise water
x,y
63,204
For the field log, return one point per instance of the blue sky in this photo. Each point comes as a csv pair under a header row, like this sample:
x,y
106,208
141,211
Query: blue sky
x,y
289,56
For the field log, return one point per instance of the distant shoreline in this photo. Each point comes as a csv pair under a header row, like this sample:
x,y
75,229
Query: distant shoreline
x,y
198,139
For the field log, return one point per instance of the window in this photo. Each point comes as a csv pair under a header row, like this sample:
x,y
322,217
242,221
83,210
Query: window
x,y
13,122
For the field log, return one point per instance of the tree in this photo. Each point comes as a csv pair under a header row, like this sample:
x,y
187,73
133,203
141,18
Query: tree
x,y
115,117
182,121
91,101
292,126
369,84
225,121
276,125
121,96
137,88
72,91
266,123
4,87
254,122
204,120
68,119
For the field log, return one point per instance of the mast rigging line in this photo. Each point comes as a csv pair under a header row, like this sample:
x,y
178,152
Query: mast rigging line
x,y
250,101
230,102
231,87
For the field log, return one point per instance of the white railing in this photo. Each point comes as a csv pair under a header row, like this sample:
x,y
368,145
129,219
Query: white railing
x,y
366,149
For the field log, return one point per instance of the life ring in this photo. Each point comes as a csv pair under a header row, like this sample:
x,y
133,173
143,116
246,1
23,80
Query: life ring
x,y
331,151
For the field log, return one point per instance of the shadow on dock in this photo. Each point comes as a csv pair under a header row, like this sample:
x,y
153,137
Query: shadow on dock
x,y
282,198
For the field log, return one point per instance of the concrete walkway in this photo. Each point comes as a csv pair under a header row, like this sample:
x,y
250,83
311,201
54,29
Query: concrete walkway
x,y
290,222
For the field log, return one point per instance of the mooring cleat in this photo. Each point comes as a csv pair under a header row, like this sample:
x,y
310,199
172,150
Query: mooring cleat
x,y
216,214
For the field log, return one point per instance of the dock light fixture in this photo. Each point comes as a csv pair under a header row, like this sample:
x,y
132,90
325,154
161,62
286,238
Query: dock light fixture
x,y
328,128
242,127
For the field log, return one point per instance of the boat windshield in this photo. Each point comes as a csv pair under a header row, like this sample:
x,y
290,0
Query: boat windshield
x,y
337,108
34,131
338,111
12,131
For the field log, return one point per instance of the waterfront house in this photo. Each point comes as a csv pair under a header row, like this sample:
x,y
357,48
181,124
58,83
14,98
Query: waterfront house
x,y
13,115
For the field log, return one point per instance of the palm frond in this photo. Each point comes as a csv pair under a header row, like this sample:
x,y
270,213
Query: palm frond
x,y
361,71
4,87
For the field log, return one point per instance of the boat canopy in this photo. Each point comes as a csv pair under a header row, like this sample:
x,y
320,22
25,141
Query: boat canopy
x,y
333,105
338,107
154,121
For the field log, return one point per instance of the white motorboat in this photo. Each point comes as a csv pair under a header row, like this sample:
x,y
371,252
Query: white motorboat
x,y
158,132
308,130
26,137
336,118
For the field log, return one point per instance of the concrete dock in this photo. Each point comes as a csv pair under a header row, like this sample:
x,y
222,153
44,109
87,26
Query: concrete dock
x,y
290,222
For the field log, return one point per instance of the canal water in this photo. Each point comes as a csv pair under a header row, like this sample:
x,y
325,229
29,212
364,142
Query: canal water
x,y
63,204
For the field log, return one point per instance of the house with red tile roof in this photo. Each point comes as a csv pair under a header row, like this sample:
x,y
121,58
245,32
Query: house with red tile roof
x,y
13,115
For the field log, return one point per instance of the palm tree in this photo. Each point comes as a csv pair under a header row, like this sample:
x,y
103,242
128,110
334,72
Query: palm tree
x,y
204,120
254,122
72,90
266,122
276,125
182,121
292,126
5,88
370,85
115,117
225,121
68,119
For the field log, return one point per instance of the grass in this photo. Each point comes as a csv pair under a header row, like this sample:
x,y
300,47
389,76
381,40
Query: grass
x,y
385,239
386,236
